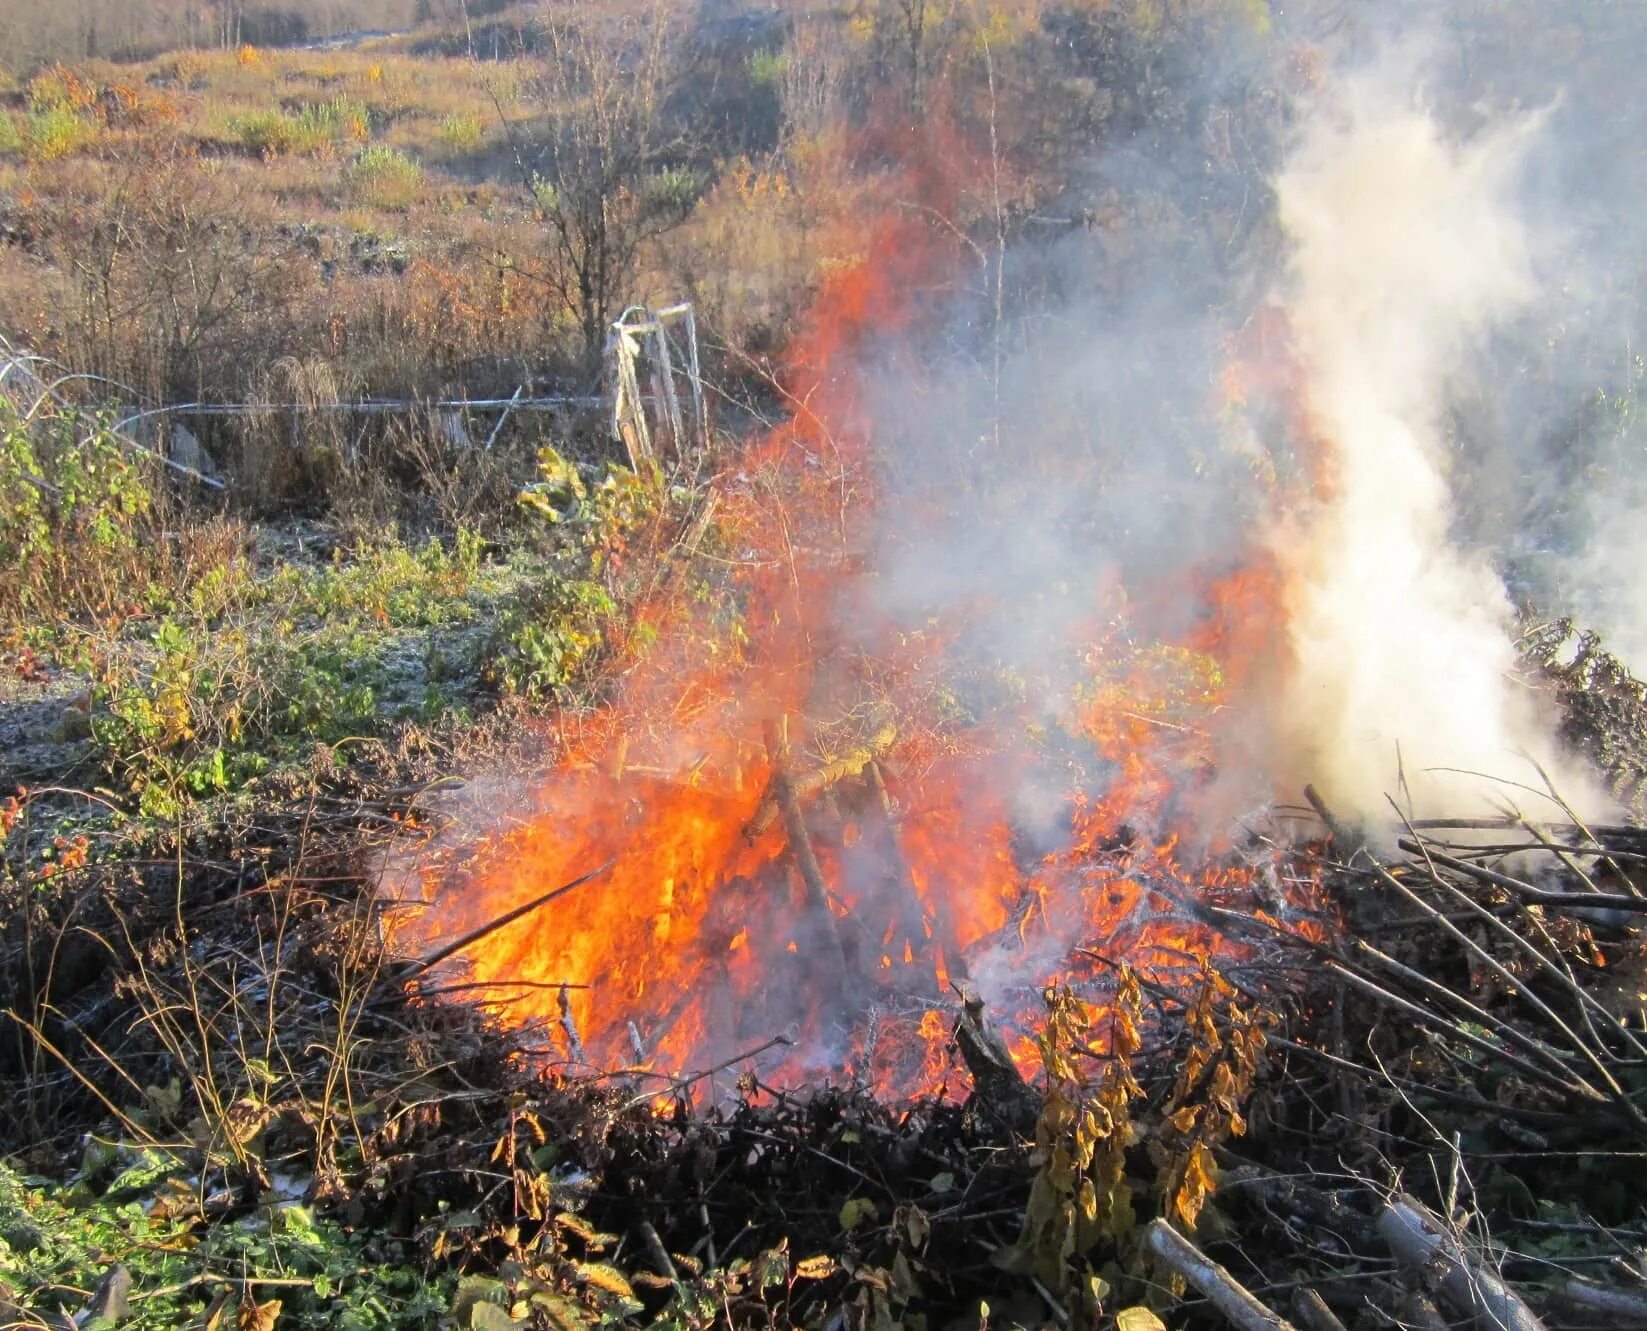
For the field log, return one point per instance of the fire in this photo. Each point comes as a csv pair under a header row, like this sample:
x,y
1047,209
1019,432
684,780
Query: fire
x,y
810,832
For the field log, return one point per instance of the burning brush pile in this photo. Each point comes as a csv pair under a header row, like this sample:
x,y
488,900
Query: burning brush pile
x,y
924,887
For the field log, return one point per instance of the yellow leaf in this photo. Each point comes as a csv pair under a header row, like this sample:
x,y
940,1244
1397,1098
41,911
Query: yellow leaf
x,y
255,1316
816,1268
603,1276
1184,1119
1138,1318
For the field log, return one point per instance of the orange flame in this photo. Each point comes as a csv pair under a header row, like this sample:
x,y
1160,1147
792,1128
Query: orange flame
x,y
705,937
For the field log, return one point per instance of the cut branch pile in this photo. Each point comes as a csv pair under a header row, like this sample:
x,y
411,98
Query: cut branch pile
x,y
1458,1135
1427,1109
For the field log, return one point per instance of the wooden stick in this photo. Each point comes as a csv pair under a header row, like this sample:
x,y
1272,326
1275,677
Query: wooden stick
x,y
800,845
995,1076
1311,1309
840,769
1476,871
1222,1289
1571,1084
1614,1305
1423,1243
1492,963
507,918
1504,1030
1341,837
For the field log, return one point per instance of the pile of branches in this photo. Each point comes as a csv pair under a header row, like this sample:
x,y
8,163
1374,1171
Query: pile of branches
x,y
1457,1132
1424,1102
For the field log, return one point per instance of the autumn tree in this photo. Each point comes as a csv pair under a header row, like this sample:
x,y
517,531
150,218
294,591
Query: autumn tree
x,y
604,160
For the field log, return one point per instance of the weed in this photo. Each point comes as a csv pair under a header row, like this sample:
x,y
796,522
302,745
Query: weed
x,y
243,674
551,639
316,128
386,178
462,132
53,132
78,526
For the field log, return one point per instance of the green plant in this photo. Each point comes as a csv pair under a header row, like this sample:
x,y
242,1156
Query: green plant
x,y
551,639
266,133
78,520
312,129
767,68
137,1206
243,674
462,131
57,131
12,139
383,177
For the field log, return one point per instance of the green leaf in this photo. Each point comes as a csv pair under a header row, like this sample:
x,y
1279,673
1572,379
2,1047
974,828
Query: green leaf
x,y
472,1292
490,1317
856,1211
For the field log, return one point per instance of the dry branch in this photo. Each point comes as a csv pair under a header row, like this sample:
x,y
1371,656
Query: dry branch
x,y
1223,1290
1619,1306
1311,1309
995,1076
844,768
800,846
491,927
1420,1241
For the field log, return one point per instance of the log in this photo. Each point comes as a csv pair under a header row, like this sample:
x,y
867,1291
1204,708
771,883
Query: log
x,y
1620,1306
1311,1309
840,769
995,1076
1420,1241
1221,1289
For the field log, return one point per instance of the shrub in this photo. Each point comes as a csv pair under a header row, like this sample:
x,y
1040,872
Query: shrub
x,y
11,135
385,178
60,88
277,132
340,118
462,132
266,133
77,520
57,131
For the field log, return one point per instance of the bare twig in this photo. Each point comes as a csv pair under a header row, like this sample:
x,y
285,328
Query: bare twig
x,y
507,918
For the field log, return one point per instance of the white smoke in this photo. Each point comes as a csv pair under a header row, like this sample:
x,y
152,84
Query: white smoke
x,y
1408,249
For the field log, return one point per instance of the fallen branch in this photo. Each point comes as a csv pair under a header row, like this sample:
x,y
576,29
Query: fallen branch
x,y
1311,1309
840,769
507,918
1613,1305
1222,1290
1420,1241
800,846
995,1076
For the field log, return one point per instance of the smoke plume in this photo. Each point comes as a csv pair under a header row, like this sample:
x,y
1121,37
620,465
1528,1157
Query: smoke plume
x,y
1407,250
